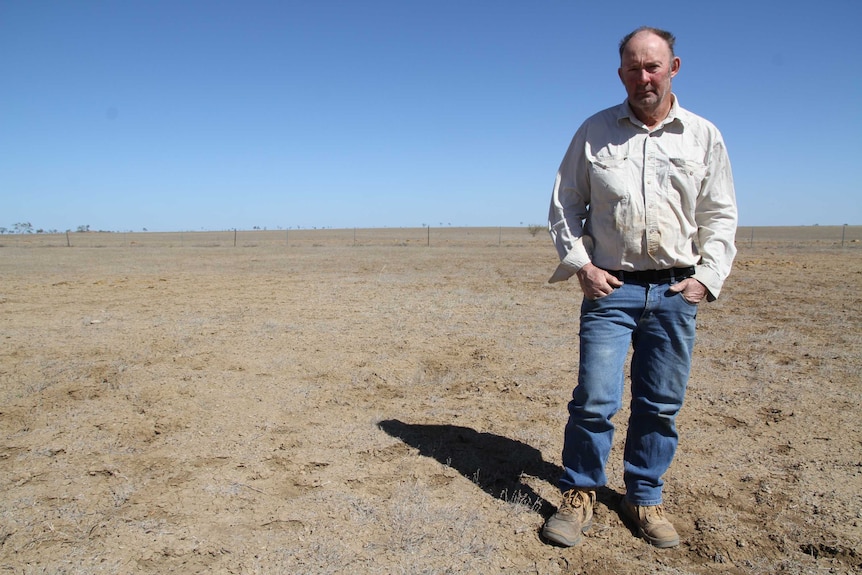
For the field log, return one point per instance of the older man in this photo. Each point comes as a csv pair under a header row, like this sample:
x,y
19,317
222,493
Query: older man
x,y
644,214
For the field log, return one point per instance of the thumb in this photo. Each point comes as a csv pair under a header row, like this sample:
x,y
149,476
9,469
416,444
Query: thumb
x,y
678,287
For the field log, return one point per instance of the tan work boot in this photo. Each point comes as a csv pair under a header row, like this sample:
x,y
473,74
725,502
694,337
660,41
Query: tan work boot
x,y
572,519
652,524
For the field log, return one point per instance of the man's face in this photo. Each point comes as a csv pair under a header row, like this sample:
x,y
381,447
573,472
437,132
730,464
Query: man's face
x,y
646,70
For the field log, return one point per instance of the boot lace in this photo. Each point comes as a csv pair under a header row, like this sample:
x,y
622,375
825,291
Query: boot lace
x,y
574,499
654,514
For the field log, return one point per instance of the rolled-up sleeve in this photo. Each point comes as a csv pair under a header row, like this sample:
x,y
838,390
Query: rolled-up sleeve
x,y
569,203
716,217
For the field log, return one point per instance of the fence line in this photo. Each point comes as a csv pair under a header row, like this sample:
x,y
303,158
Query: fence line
x,y
355,237
840,236
428,236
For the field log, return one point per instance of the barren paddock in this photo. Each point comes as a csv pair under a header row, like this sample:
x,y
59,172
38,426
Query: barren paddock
x,y
399,409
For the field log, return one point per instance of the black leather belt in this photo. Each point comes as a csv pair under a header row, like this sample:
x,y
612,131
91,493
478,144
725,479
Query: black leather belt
x,y
653,276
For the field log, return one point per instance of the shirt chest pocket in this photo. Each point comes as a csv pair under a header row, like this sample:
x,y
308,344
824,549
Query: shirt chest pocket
x,y
609,178
687,175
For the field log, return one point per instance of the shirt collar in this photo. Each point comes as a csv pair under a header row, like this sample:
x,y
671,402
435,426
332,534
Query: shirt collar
x,y
625,112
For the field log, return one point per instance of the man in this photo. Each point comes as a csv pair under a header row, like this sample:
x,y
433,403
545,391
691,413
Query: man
x,y
644,214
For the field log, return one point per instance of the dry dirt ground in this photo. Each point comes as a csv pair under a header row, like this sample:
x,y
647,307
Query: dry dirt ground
x,y
399,409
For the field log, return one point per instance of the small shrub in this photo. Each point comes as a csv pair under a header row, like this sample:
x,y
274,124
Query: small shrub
x,y
535,229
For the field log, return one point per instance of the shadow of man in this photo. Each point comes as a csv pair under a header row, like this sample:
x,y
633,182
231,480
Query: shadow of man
x,y
496,464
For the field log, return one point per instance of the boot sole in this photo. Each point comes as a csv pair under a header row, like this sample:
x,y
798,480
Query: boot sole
x,y
658,543
559,539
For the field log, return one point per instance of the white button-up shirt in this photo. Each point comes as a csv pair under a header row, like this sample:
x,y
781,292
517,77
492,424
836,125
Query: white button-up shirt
x,y
627,198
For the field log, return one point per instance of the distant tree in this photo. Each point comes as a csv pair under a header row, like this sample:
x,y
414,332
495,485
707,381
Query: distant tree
x,y
3,230
23,228
535,229
84,228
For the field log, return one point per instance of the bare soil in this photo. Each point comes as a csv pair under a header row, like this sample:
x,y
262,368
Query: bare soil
x,y
400,409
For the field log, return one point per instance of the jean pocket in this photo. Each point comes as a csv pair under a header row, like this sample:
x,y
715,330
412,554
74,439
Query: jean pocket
x,y
601,300
679,296
686,300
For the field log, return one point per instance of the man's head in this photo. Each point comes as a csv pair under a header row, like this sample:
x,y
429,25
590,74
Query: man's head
x,y
647,65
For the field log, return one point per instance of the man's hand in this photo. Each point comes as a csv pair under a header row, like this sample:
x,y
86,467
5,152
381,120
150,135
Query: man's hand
x,y
692,290
596,282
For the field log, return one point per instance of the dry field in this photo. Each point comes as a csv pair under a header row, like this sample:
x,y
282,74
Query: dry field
x,y
344,406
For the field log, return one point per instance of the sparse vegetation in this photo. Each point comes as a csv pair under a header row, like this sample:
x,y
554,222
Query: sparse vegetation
x,y
382,410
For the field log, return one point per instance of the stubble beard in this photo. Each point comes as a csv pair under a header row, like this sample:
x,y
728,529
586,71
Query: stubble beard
x,y
647,102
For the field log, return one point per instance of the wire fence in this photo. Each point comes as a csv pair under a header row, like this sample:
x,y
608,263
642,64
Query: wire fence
x,y
824,236
801,236
426,236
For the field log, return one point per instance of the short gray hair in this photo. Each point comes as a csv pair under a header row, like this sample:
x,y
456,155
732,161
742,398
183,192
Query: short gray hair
x,y
663,34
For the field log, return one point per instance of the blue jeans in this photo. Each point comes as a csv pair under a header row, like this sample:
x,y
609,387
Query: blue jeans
x,y
660,326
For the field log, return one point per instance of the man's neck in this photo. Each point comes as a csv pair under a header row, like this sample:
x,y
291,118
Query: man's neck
x,y
653,119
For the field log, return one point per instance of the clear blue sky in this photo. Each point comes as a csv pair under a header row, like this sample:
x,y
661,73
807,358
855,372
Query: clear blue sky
x,y
190,115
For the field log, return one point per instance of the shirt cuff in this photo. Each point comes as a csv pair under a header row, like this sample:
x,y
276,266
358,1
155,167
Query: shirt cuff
x,y
710,279
569,266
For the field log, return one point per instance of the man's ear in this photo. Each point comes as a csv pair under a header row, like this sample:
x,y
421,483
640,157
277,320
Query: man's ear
x,y
674,66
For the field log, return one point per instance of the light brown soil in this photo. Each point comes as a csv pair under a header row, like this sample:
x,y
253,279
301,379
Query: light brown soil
x,y
399,409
